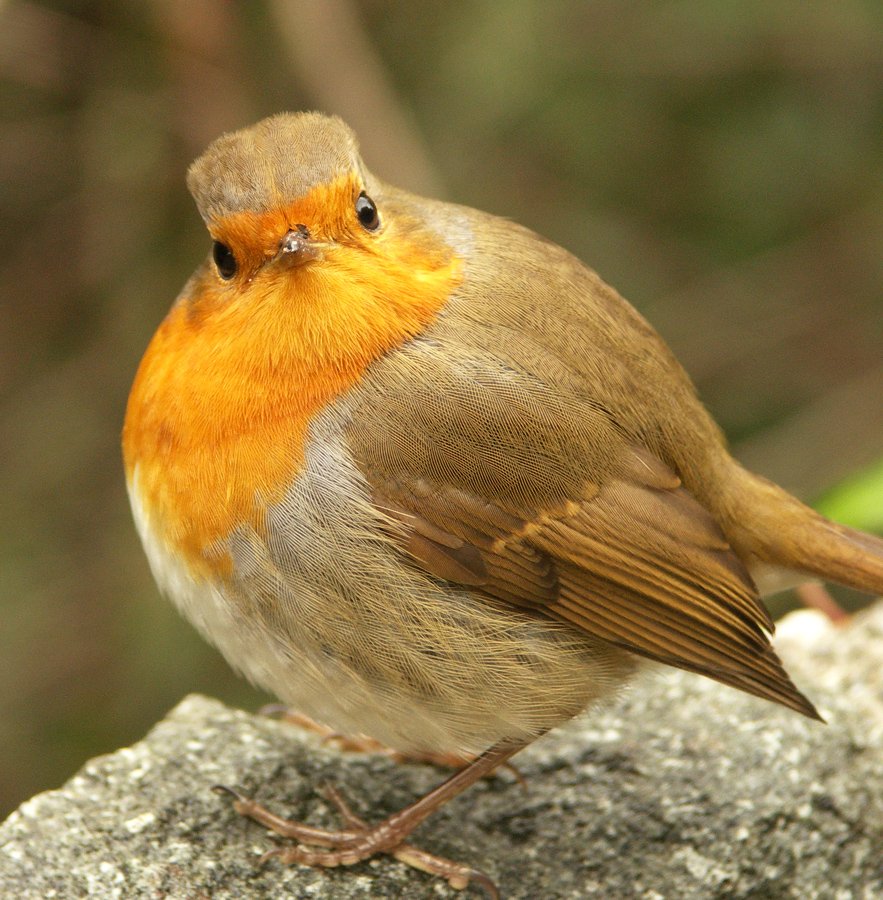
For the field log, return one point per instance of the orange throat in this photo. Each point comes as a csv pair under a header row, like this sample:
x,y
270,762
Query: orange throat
x,y
218,415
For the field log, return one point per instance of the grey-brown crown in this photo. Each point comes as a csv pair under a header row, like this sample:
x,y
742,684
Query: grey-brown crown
x,y
271,163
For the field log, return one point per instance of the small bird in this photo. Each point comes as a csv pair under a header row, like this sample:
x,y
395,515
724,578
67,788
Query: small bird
x,y
426,477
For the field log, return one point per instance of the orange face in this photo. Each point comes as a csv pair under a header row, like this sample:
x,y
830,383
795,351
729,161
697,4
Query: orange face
x,y
217,417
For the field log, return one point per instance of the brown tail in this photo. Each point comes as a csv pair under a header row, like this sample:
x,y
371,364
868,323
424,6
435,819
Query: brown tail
x,y
777,528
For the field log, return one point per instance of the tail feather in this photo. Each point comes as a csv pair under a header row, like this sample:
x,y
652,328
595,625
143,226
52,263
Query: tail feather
x,y
777,529
858,561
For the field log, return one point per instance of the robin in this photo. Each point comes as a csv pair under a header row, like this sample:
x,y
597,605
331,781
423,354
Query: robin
x,y
426,477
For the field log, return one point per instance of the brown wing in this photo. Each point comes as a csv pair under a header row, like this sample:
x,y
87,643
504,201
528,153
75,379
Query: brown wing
x,y
636,561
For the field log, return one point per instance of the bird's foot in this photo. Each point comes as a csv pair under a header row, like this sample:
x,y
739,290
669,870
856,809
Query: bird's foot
x,y
357,842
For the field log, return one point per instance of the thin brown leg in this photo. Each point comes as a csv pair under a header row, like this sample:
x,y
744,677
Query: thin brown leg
x,y
359,841
815,595
363,744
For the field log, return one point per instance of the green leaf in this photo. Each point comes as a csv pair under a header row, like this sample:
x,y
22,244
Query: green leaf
x,y
858,501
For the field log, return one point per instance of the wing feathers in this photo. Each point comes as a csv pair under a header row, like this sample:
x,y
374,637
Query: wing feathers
x,y
665,584
635,561
675,643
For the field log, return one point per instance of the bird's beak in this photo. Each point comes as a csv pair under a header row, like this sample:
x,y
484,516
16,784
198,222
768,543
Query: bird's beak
x,y
297,247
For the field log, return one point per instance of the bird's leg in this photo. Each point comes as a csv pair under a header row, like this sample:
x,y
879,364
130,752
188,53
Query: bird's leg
x,y
814,595
359,841
363,744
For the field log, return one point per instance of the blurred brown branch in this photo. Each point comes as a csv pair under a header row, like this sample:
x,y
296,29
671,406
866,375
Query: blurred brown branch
x,y
331,54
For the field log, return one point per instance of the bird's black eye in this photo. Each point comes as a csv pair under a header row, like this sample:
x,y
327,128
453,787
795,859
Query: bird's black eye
x,y
224,260
367,212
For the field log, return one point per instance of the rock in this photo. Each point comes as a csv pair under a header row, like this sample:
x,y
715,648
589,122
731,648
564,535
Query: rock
x,y
682,789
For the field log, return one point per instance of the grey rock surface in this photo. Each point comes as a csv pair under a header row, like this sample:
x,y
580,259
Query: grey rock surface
x,y
681,789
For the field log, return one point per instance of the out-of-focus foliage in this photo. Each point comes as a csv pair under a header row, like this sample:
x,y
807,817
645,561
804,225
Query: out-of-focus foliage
x,y
720,163
858,501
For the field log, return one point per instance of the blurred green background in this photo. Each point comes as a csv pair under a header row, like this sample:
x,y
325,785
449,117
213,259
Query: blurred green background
x,y
721,163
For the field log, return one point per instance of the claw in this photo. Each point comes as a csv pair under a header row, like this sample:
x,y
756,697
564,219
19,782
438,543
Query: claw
x,y
223,789
270,854
483,881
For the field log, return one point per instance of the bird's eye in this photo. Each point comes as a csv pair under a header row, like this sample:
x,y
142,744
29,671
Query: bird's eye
x,y
224,260
367,212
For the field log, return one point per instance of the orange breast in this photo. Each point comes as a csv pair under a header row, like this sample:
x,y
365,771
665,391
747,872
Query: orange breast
x,y
217,417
